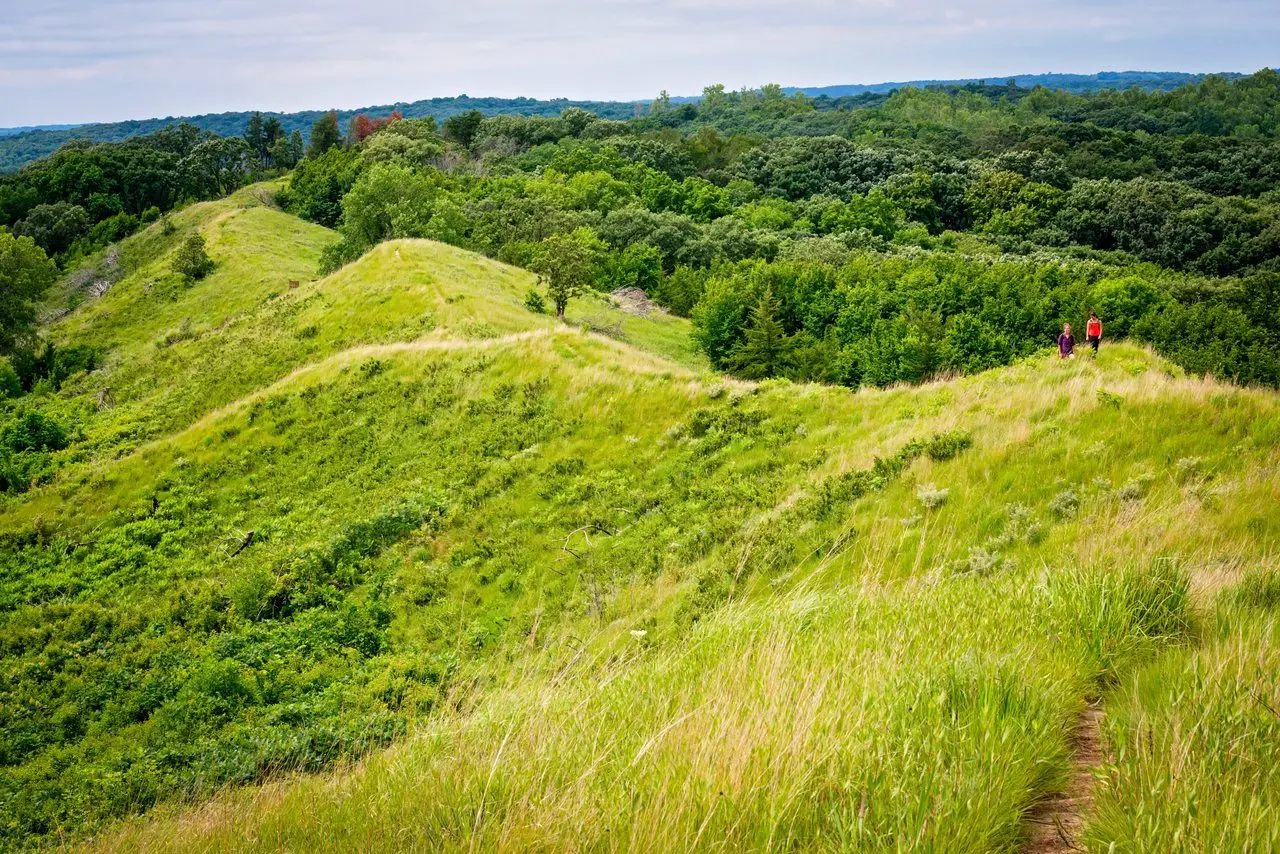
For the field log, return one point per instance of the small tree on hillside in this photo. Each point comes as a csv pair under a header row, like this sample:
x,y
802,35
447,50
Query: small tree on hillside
x,y
569,263
765,352
192,262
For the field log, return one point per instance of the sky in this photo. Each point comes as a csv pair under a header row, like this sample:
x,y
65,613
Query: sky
x,y
73,61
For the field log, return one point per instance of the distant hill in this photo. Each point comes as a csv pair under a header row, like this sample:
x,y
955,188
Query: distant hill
x,y
1155,81
14,131
21,145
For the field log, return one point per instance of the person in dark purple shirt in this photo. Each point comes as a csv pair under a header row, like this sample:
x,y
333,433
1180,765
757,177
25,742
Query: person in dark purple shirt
x,y
1066,343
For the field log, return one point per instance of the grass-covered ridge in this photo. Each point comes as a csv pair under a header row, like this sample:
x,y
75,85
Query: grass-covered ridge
x,y
593,594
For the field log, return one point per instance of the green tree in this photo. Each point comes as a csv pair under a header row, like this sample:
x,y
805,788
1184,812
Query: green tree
x,y
324,134
714,97
771,92
766,350
318,184
1122,302
569,263
281,154
463,127
10,383
25,274
192,261
387,201
637,266
54,227
296,149
216,166
255,136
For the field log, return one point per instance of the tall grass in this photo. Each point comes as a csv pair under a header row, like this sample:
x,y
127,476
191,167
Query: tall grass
x,y
915,716
1195,739
649,608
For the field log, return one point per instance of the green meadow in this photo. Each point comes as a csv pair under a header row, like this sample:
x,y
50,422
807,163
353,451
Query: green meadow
x,y
383,560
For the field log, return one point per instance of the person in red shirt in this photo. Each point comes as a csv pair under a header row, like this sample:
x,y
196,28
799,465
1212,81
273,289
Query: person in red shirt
x,y
1093,331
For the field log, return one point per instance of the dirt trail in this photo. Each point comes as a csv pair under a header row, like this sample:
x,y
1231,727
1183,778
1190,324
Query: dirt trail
x,y
1055,823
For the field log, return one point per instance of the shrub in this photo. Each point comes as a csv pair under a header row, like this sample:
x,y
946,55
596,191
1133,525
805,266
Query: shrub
x,y
192,262
1133,490
534,302
1065,504
932,497
33,432
980,561
339,254
10,384
1106,398
1122,302
946,446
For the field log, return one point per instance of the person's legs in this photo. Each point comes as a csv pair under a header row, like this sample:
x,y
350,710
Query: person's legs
x,y
1094,340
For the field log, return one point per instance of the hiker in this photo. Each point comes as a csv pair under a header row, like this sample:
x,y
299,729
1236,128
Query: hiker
x,y
1066,343
1093,331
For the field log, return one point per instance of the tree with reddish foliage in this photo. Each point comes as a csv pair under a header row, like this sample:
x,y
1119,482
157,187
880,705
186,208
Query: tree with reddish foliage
x,y
363,127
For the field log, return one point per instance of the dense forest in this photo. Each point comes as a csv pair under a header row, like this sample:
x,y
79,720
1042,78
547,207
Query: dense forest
x,y
941,230
22,145
34,143
88,195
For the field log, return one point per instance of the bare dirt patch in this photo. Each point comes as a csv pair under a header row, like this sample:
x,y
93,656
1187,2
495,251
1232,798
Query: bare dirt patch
x,y
1055,823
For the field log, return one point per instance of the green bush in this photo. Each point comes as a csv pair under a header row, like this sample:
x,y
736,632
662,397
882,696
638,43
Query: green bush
x,y
192,262
10,383
946,446
33,431
534,302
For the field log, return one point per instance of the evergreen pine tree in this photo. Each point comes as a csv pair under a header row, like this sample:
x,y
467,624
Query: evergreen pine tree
x,y
255,135
765,352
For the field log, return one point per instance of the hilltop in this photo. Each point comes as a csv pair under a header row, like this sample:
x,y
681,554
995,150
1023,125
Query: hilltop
x,y
425,569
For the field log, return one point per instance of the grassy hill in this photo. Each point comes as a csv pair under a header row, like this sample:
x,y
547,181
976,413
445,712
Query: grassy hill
x,y
590,595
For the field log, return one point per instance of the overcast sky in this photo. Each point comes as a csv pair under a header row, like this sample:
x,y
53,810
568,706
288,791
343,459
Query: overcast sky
x,y
64,61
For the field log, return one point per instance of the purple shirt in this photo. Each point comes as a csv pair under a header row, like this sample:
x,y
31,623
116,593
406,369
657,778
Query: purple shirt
x,y
1066,344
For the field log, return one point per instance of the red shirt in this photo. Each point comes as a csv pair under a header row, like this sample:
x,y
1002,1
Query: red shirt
x,y
1094,329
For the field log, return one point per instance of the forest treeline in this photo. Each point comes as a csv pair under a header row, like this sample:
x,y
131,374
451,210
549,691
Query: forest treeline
x,y
34,143
944,230
23,145
88,195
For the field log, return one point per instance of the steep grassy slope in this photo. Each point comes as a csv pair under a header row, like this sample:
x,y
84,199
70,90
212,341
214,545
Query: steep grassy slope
x,y
913,685
601,598
177,351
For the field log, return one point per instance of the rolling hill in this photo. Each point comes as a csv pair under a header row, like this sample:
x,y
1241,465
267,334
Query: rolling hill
x,y
418,568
